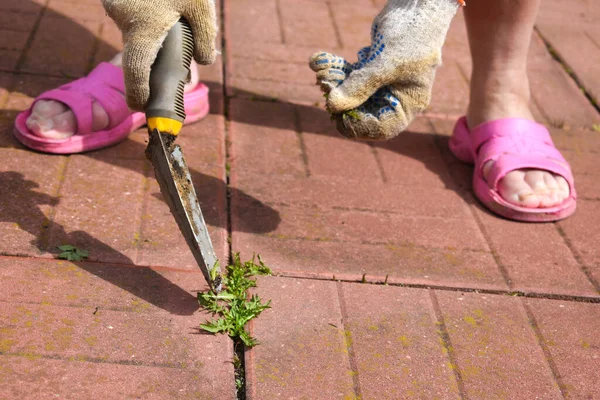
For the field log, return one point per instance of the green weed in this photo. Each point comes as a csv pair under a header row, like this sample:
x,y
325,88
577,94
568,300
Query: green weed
x,y
72,253
233,306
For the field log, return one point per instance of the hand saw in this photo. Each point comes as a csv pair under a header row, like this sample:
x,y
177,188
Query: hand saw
x,y
164,116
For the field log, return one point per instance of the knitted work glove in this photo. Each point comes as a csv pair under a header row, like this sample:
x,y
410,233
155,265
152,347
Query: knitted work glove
x,y
144,25
379,95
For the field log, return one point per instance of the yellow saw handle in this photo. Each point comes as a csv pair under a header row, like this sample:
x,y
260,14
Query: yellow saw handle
x,y
165,110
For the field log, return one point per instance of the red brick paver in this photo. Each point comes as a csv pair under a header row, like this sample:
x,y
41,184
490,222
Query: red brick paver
x,y
391,280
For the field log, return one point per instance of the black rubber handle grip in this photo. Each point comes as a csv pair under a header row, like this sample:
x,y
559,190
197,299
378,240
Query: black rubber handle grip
x,y
170,72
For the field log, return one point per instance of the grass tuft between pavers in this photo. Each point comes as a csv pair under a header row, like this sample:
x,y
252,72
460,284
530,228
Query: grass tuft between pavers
x,y
234,306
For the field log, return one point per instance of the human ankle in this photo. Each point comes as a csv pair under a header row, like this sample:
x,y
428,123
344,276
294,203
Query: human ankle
x,y
495,96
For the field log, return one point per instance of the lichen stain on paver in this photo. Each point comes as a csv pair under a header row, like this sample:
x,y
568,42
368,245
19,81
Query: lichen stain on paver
x,y
62,337
139,306
404,340
6,345
91,340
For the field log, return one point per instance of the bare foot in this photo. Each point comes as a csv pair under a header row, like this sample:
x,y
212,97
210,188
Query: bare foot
x,y
524,187
54,120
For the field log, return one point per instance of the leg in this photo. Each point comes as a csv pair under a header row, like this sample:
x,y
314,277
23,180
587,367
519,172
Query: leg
x,y
54,120
499,37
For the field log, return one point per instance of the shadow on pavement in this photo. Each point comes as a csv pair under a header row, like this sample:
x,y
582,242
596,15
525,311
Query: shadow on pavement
x,y
26,211
20,205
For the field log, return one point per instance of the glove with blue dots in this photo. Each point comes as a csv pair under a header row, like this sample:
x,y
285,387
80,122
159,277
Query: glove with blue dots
x,y
377,97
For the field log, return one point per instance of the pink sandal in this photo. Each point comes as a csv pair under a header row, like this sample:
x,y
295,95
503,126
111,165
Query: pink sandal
x,y
105,85
513,143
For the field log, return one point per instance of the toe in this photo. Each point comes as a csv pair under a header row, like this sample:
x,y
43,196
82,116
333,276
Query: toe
x,y
63,126
516,190
40,121
47,108
563,187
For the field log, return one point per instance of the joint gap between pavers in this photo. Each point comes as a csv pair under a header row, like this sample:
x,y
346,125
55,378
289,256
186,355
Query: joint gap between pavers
x,y
589,198
483,231
442,116
336,29
375,153
137,235
95,46
301,143
109,263
96,309
570,72
317,206
44,235
33,32
577,257
280,21
547,354
446,343
494,252
270,60
592,39
227,133
382,281
93,360
368,243
349,342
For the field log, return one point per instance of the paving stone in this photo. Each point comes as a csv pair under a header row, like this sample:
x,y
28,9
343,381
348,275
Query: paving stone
x,y
330,154
99,286
30,184
61,47
395,264
308,23
570,332
110,42
9,59
291,53
269,70
108,336
413,159
555,92
496,351
23,377
264,139
33,6
160,241
203,142
252,20
77,11
576,140
271,91
582,31
302,340
583,233
326,192
395,343
355,23
450,92
535,257
100,208
13,40
350,226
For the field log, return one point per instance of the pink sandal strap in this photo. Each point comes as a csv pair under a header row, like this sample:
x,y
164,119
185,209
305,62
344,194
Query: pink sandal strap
x,y
104,85
514,143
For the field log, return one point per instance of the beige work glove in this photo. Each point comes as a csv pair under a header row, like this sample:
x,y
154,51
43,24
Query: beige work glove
x,y
379,95
145,24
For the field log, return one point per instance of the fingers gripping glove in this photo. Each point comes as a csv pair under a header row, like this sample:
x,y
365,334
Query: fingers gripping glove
x,y
379,95
145,24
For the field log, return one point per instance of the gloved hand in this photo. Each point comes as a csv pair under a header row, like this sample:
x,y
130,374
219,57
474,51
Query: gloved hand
x,y
378,96
145,23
